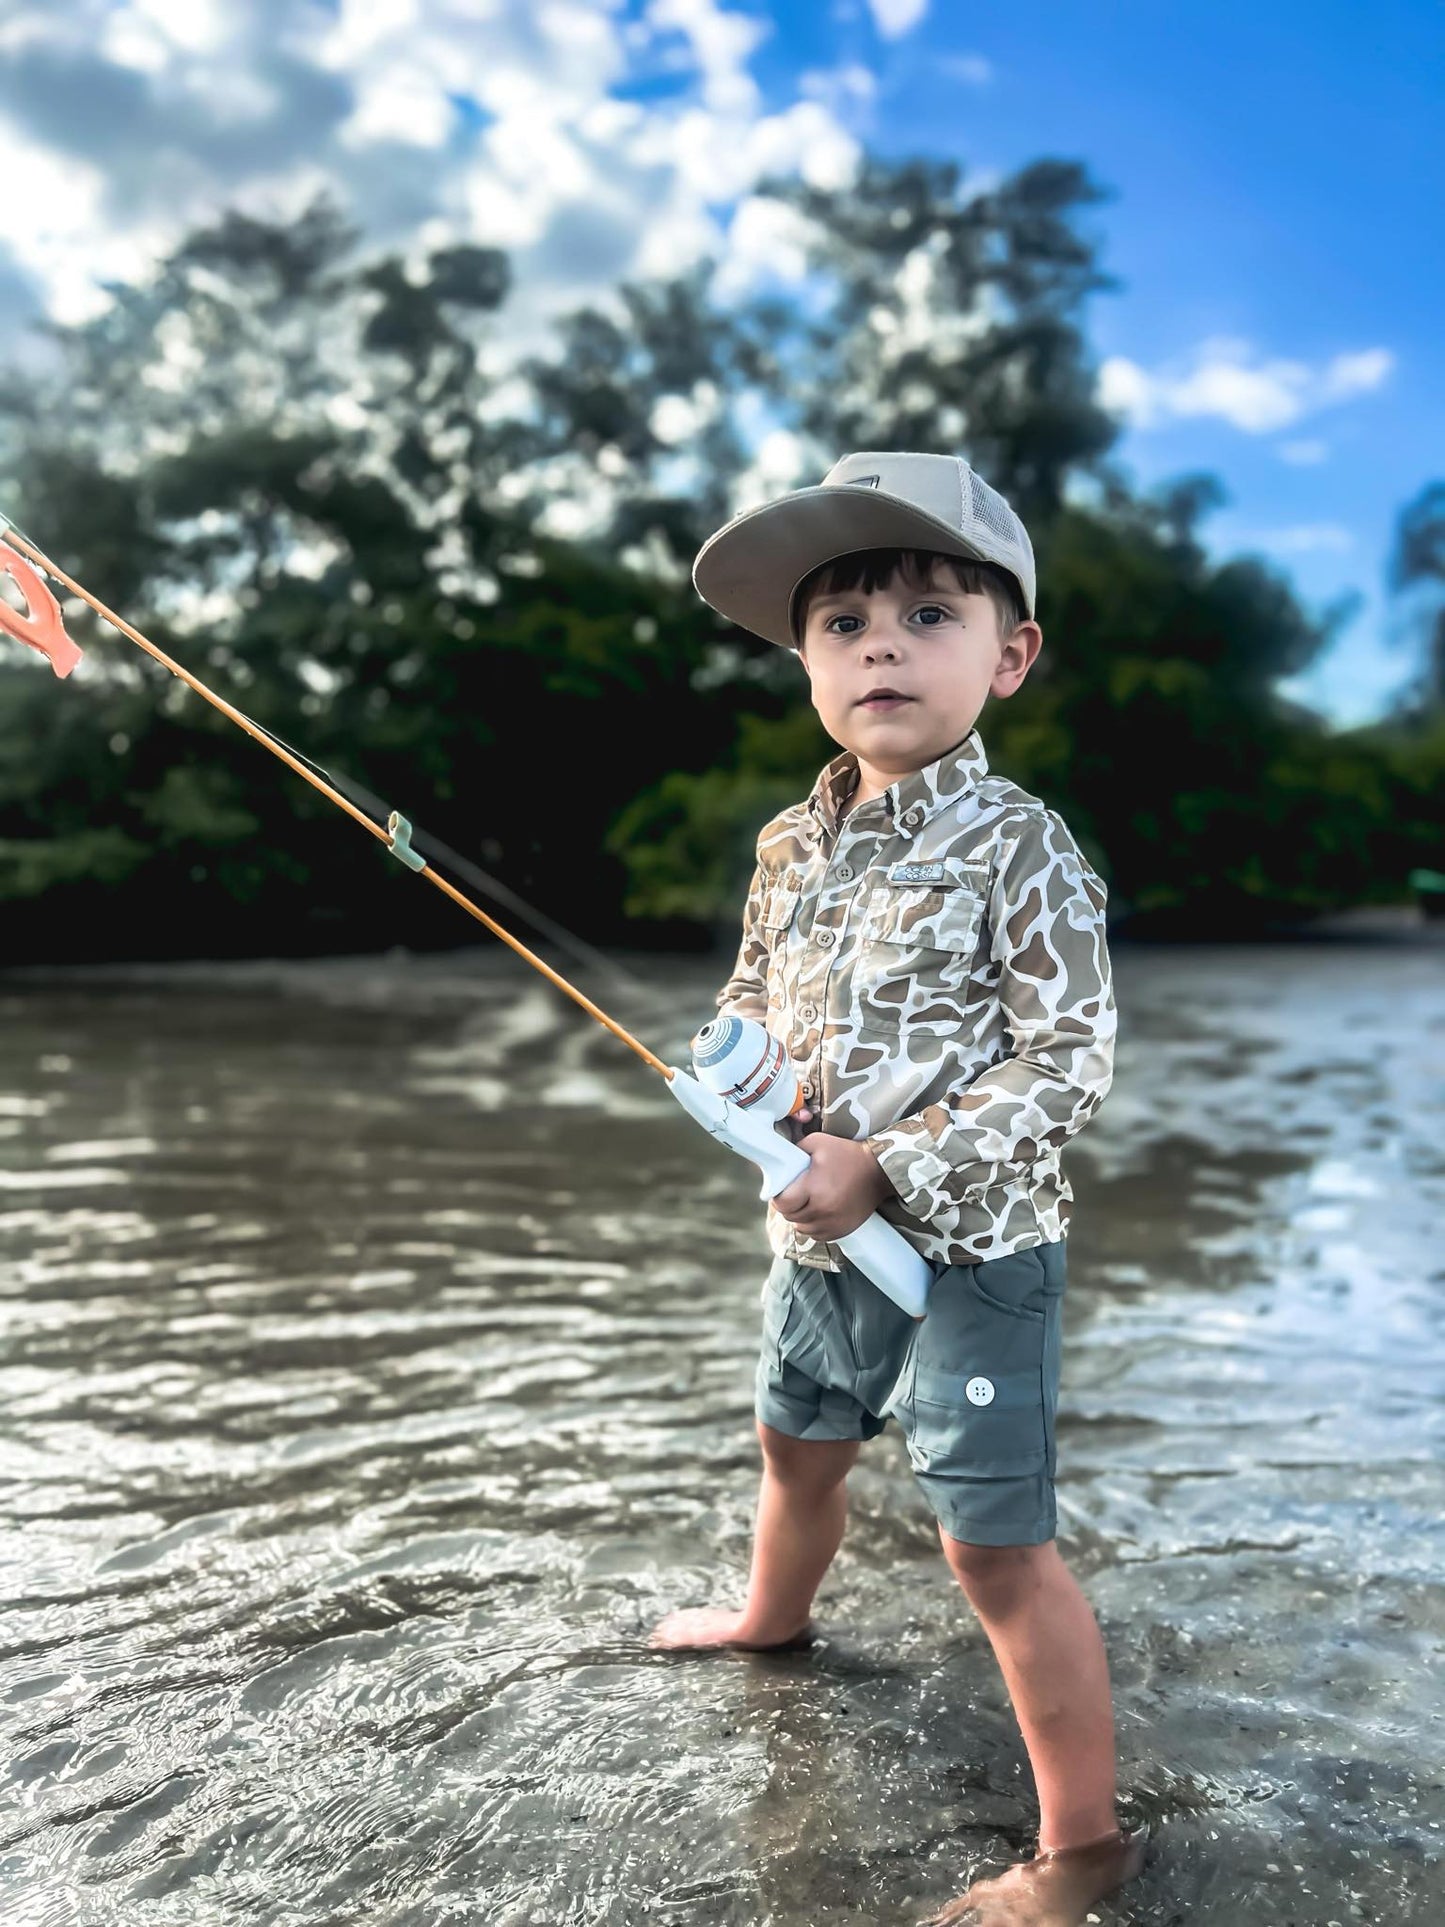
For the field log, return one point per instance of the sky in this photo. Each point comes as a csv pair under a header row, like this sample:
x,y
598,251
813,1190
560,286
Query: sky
x,y
1273,215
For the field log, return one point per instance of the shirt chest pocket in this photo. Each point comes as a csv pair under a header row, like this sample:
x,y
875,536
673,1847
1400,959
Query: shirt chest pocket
x,y
915,949
775,924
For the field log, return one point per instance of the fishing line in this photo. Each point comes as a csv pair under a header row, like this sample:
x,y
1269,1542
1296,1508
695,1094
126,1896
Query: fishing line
x,y
745,1082
42,628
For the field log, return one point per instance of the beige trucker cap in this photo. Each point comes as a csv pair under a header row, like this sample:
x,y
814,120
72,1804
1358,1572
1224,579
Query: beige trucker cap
x,y
750,569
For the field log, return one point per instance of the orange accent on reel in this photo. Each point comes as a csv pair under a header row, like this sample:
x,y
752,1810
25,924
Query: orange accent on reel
x,y
740,1094
41,627
744,1092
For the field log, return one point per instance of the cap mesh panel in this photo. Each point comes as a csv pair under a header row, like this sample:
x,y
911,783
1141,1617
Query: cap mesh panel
x,y
990,508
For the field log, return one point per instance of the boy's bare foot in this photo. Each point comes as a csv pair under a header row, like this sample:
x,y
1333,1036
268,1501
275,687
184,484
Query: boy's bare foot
x,y
716,1626
1054,1889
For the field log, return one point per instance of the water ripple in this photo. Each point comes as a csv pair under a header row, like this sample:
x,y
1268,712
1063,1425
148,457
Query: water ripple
x,y
378,1368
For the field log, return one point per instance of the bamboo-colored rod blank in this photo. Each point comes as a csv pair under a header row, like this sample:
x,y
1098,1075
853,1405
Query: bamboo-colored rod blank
x,y
13,535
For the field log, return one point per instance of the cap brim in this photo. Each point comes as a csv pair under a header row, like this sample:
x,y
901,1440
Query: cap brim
x,y
750,568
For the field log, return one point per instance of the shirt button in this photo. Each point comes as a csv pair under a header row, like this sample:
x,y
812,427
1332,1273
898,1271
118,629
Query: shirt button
x,y
825,937
911,819
808,1013
807,1090
844,874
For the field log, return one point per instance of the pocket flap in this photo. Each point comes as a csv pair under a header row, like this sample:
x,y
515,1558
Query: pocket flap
x,y
931,916
780,903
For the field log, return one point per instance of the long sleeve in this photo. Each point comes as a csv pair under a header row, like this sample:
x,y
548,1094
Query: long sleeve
x,y
1046,918
745,994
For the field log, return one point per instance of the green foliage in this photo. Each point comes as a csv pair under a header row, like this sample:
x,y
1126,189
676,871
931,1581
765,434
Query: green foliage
x,y
290,467
687,839
105,856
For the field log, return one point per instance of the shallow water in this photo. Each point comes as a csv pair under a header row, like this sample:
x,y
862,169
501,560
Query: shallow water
x,y
378,1359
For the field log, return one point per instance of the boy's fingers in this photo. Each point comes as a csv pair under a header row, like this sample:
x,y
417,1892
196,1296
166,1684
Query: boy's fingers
x,y
792,1197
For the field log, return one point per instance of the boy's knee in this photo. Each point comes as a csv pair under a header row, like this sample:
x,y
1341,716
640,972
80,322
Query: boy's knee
x,y
997,1577
816,1464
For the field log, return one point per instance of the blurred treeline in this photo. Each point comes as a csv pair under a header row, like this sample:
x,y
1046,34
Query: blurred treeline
x,y
314,477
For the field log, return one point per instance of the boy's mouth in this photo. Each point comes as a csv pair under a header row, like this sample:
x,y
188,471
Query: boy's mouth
x,y
883,698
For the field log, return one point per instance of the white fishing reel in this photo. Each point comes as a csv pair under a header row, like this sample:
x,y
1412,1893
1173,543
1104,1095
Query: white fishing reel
x,y
746,1064
746,1084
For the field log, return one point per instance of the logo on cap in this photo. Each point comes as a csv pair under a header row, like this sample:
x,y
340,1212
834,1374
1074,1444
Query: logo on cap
x,y
863,481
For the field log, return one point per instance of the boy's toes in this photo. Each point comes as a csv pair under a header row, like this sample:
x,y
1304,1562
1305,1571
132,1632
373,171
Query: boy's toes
x,y
955,1911
1057,1888
695,1626
700,1626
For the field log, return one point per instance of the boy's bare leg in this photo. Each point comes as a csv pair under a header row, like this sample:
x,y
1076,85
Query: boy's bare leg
x,y
1050,1651
802,1510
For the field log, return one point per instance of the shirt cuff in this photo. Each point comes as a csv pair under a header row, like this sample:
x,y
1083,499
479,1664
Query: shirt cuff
x,y
910,1161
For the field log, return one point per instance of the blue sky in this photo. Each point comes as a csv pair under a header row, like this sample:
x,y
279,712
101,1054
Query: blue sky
x,y
1274,172
1278,175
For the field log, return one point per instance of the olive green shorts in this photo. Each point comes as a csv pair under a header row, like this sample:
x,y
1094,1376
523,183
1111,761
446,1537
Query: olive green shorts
x,y
974,1385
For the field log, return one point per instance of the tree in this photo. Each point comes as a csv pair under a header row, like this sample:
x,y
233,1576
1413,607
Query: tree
x,y
304,528
308,475
1417,571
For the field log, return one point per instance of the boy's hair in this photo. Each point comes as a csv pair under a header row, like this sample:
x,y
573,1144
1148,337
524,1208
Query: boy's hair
x,y
870,569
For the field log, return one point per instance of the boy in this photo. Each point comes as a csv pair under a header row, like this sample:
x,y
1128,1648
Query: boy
x,y
928,942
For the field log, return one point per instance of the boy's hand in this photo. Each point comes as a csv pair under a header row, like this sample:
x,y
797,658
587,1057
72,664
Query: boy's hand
x,y
842,1186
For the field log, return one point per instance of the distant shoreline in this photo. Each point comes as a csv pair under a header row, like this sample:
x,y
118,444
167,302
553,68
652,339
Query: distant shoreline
x,y
1396,926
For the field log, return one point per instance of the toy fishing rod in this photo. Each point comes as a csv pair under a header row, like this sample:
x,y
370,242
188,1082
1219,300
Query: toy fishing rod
x,y
745,1082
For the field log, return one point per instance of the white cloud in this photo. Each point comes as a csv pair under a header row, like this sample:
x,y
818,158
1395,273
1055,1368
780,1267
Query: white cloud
x,y
153,29
1357,374
1304,454
261,103
677,418
781,461
1229,382
894,18
64,243
765,238
406,108
972,69
1306,539
721,43
847,89
720,157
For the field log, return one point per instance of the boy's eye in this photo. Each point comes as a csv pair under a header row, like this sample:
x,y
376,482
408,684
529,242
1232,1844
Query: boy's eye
x,y
922,609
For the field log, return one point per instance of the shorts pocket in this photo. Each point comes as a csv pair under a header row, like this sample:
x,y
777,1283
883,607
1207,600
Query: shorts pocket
x,y
1016,1285
979,1425
780,1312
977,1401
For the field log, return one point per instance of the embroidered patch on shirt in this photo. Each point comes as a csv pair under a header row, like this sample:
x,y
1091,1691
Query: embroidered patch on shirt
x,y
917,873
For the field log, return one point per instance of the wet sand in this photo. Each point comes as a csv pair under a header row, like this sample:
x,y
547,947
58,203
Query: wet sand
x,y
378,1366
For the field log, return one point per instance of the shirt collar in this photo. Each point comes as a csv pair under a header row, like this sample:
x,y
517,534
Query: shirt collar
x,y
911,799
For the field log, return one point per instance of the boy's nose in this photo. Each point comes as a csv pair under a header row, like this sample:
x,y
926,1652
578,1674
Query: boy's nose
x,y
883,642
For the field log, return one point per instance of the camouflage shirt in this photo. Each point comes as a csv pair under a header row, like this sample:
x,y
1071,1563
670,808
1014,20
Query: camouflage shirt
x,y
934,961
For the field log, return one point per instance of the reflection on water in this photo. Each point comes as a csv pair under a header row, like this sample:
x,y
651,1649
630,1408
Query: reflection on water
x,y
378,1357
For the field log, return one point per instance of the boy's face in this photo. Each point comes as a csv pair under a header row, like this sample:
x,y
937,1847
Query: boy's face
x,y
938,647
